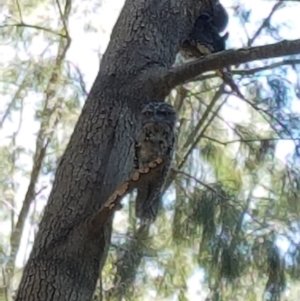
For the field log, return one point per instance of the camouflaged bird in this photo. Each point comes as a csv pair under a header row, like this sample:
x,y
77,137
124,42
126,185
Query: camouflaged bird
x,y
205,37
156,138
219,16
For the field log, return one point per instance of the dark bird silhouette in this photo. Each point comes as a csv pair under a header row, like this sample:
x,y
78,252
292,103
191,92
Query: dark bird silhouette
x,y
205,39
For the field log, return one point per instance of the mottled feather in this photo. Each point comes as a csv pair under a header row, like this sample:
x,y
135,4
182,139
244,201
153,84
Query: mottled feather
x,y
203,39
156,138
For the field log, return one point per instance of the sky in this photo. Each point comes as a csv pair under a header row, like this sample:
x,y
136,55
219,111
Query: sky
x,y
84,54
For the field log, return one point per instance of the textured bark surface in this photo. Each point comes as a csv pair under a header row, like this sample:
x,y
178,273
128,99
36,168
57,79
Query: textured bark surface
x,y
66,257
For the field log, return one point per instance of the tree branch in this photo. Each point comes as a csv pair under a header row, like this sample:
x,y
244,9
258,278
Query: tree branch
x,y
264,68
265,23
187,72
249,140
51,107
177,171
252,71
200,135
190,139
34,27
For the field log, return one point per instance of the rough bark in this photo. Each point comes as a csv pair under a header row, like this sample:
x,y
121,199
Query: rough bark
x,y
67,254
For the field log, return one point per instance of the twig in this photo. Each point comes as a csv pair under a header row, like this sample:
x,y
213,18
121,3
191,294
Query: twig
x,y
200,135
218,116
204,117
271,116
80,79
228,80
13,101
177,171
37,193
265,23
10,206
14,157
252,71
249,140
19,10
33,26
264,68
64,16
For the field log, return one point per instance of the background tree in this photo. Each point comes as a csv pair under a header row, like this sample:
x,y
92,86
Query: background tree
x,y
231,210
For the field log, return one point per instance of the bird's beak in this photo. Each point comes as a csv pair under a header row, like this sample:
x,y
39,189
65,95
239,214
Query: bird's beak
x,y
157,118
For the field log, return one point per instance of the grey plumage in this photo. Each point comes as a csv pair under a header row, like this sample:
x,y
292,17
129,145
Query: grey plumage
x,y
219,15
156,138
205,37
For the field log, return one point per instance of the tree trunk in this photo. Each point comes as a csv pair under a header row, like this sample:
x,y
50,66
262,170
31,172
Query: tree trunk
x,y
67,254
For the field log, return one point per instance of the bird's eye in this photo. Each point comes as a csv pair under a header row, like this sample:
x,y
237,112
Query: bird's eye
x,y
164,113
206,17
148,113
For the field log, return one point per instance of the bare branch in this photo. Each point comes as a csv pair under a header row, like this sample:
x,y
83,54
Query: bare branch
x,y
51,106
19,10
208,110
37,193
177,171
265,23
267,67
200,135
13,101
10,206
249,140
35,27
187,72
64,16
80,79
218,116
252,71
264,112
